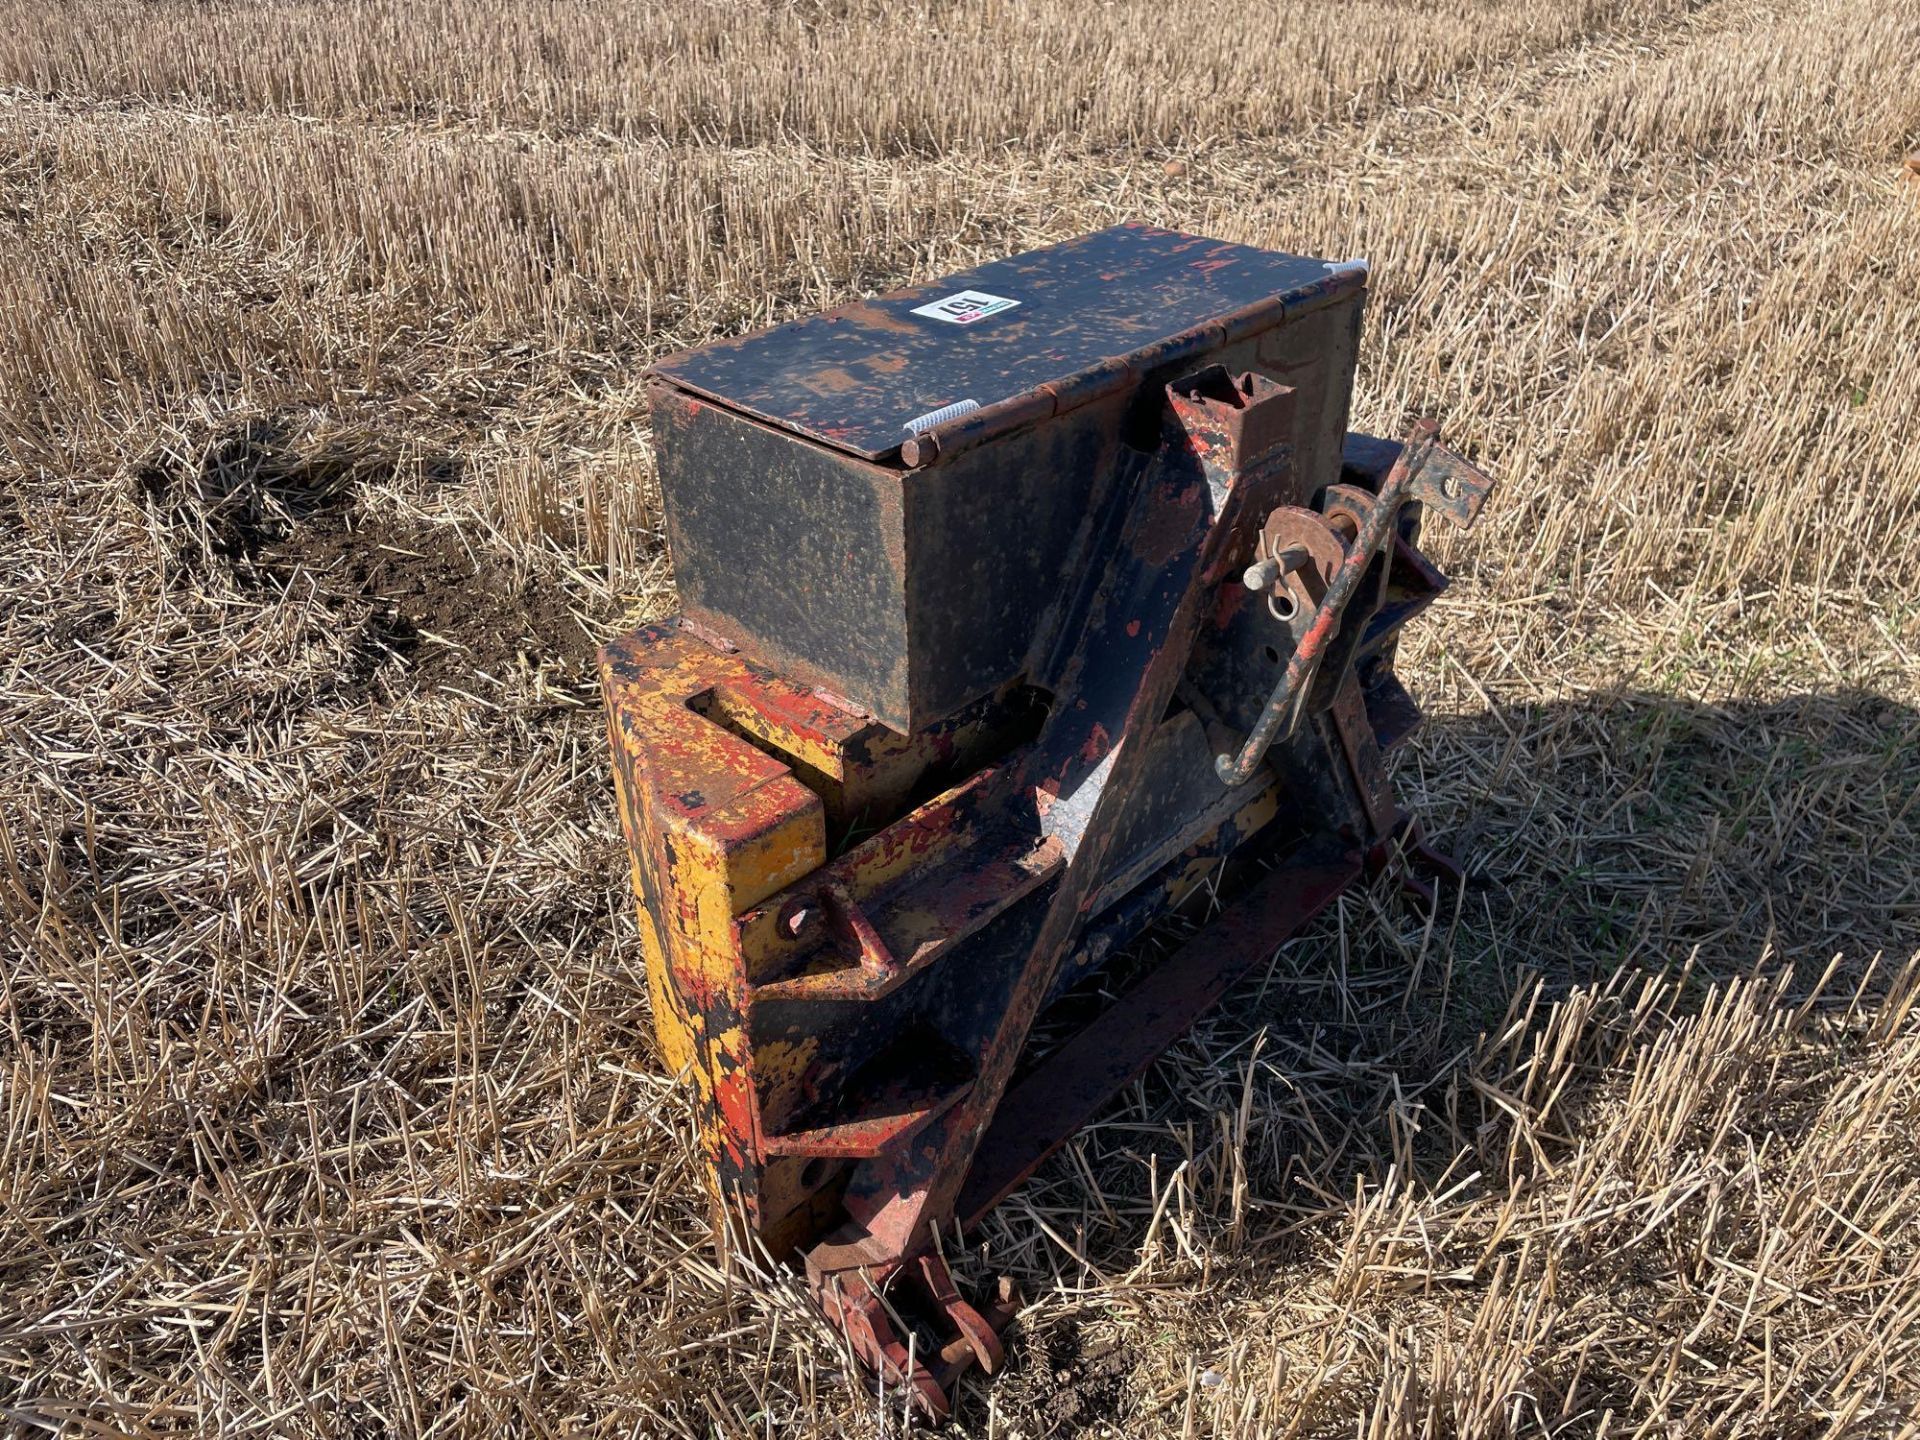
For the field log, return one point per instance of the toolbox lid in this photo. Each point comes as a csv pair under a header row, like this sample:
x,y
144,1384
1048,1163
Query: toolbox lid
x,y
1060,326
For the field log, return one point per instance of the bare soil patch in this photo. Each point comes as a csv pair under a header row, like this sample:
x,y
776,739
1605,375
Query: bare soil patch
x,y
426,595
432,601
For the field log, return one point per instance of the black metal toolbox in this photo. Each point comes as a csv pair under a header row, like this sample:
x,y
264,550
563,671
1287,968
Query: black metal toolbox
x,y
882,500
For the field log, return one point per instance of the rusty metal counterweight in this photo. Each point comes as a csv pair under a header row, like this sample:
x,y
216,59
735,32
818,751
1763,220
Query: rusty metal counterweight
x,y
1020,610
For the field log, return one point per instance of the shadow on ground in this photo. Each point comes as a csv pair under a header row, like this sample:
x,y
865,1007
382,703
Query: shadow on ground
x,y
1612,835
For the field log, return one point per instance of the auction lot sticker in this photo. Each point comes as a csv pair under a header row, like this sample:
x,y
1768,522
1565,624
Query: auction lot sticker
x,y
966,307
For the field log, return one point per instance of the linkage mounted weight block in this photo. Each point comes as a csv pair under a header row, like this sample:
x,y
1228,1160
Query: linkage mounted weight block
x,y
1021,611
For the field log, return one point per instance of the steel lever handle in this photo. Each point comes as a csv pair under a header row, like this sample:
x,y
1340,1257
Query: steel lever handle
x,y
1457,493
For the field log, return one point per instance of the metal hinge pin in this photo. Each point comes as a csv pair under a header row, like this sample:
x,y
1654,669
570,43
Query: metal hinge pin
x,y
1262,573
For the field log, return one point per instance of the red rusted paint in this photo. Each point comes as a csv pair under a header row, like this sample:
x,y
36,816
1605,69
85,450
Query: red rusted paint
x,y
1098,742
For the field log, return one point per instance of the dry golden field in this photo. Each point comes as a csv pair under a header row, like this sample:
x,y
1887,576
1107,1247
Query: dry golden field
x,y
329,1104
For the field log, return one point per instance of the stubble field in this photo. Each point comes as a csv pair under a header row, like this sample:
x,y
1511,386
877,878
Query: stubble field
x,y
328,1099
